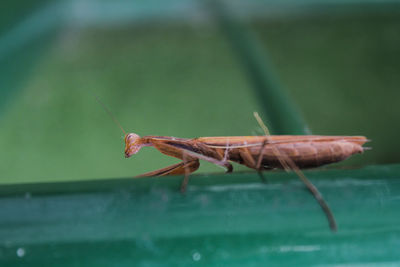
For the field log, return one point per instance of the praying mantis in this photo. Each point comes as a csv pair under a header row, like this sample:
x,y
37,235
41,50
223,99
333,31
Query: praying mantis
x,y
289,152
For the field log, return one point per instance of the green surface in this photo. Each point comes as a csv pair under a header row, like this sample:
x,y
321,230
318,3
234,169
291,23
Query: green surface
x,y
222,220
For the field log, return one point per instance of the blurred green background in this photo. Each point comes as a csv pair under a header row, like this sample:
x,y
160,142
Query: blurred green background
x,y
169,69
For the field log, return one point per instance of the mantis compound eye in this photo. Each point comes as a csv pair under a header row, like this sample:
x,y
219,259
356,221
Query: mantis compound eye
x,y
132,144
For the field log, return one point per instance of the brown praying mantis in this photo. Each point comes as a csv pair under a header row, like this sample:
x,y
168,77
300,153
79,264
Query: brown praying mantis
x,y
289,152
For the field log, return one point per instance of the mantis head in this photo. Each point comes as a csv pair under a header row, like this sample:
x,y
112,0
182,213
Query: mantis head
x,y
133,143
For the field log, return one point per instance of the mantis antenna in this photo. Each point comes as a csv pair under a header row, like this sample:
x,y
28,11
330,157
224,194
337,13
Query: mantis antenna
x,y
109,113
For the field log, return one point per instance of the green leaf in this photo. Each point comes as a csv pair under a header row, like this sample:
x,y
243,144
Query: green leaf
x,y
221,220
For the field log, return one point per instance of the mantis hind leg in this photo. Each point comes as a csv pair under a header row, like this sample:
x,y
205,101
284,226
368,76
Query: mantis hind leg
x,y
288,164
